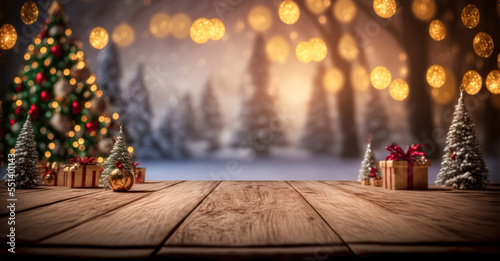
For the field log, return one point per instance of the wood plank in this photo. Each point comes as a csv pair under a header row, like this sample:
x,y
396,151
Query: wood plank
x,y
71,253
144,223
253,213
398,252
43,222
362,214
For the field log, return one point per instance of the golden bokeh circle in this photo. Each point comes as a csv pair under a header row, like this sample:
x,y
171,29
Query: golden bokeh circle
x,y
289,12
318,49
8,36
344,10
123,35
399,90
436,76
470,16
348,48
333,80
160,25
277,49
317,6
260,18
217,29
29,12
360,78
384,8
181,24
483,44
437,30
423,9
303,52
98,37
201,30
380,77
472,82
493,81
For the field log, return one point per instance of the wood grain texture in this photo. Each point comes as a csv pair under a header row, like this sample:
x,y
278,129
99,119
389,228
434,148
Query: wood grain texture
x,y
71,253
144,223
402,252
253,213
39,223
375,215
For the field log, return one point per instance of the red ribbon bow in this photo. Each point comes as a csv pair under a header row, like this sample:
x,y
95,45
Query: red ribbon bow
x,y
373,172
135,164
84,161
50,169
397,153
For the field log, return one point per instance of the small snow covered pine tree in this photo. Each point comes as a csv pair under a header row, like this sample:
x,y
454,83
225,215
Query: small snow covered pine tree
x,y
27,175
118,153
463,166
318,133
210,118
369,162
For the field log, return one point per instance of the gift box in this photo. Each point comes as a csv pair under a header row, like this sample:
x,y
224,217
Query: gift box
x,y
376,182
140,173
405,170
82,173
51,174
365,182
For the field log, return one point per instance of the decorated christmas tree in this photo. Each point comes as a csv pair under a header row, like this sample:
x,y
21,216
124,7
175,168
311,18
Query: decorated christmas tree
x,y
463,166
26,160
318,134
369,165
210,118
119,155
56,88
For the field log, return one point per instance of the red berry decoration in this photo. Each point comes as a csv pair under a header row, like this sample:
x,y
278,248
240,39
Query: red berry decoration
x,y
45,96
34,111
12,121
17,110
40,78
92,125
19,88
76,108
56,50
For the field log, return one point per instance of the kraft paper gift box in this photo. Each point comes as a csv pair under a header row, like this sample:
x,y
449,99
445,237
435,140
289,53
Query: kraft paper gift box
x,y
365,182
140,175
82,173
396,175
376,182
45,168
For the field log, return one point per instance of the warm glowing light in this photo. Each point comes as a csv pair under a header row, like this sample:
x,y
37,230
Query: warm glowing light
x,y
347,47
344,10
43,49
8,36
29,12
180,25
200,30
81,141
472,82
66,72
483,44
84,118
75,144
52,145
470,16
160,25
12,151
77,128
50,40
277,49
437,30
333,80
116,116
100,159
72,81
384,8
55,104
68,32
303,52
493,81
19,103
82,147
423,9
27,56
104,131
123,35
53,70
260,18
289,12
50,136
71,133
38,41
47,154
317,6
217,29
399,90
91,79
130,149
80,65
360,78
380,77
17,80
436,76
98,38
315,50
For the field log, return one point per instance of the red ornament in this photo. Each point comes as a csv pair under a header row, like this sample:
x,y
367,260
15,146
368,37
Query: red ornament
x,y
76,108
40,78
452,156
92,125
12,121
56,50
17,110
34,111
45,96
19,88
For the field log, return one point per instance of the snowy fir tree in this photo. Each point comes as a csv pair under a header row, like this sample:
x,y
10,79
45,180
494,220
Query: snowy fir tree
x,y
376,119
120,154
188,116
259,127
26,160
163,136
368,164
58,91
317,133
463,166
108,73
174,128
210,118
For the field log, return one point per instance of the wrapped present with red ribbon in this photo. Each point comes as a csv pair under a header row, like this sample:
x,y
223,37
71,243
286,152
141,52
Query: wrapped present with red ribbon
x,y
51,174
375,181
139,173
82,173
405,170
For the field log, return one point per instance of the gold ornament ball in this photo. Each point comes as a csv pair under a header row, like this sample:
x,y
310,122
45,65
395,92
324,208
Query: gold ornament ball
x,y
318,49
217,29
29,12
259,18
181,25
120,179
98,38
483,44
344,10
49,179
200,30
277,49
493,81
470,16
446,93
437,30
384,8
8,36
423,9
399,90
160,25
317,6
348,48
289,12
472,82
123,35
333,80
303,52
360,78
380,77
436,76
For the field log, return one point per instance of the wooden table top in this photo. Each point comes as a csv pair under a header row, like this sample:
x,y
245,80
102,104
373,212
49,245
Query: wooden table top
x,y
226,220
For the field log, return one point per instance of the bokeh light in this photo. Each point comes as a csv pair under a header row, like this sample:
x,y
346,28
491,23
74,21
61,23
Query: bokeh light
x,y
289,12
436,76
344,10
472,82
317,6
218,29
437,30
347,47
160,25
201,30
260,18
446,93
423,9
277,49
360,78
312,50
29,12
384,8
302,51
8,36
493,81
380,77
181,24
333,80
98,37
123,35
483,44
470,16
399,90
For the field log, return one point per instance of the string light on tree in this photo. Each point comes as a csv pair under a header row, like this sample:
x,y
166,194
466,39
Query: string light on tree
x,y
483,44
436,76
423,9
333,80
289,12
399,90
181,24
160,25
123,35
29,12
347,47
384,8
8,36
260,18
98,38
472,82
344,10
360,78
493,81
380,77
277,49
470,16
317,6
437,30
